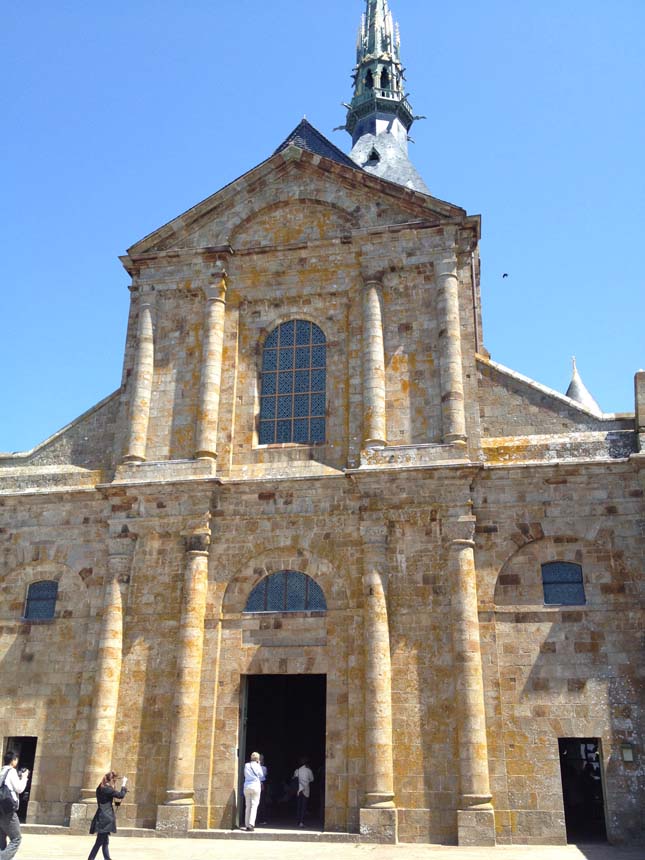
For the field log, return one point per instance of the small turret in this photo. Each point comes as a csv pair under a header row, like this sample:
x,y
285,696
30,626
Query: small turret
x,y
577,391
380,116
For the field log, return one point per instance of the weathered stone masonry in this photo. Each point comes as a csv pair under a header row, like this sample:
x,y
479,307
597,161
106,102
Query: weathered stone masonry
x,y
444,482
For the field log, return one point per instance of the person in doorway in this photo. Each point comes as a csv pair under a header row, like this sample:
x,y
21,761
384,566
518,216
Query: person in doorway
x,y
16,782
104,821
253,779
264,796
305,777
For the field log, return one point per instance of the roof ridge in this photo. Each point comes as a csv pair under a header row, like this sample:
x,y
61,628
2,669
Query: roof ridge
x,y
301,136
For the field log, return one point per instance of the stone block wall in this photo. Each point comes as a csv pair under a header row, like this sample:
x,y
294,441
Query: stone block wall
x,y
560,671
48,666
510,406
307,260
549,672
300,240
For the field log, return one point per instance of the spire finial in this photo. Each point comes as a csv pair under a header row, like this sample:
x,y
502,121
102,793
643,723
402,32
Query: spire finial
x,y
378,75
380,116
579,392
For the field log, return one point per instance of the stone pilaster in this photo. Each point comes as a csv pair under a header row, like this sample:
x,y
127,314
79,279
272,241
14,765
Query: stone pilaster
x,y
137,434
475,816
639,392
177,813
211,372
106,691
374,419
451,371
378,815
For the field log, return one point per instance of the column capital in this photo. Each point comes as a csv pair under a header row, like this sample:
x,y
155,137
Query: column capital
x,y
197,537
198,544
446,267
458,542
216,290
197,524
147,296
460,531
371,276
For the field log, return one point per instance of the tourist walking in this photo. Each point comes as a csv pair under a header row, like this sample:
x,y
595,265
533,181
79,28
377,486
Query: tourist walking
x,y
305,777
104,821
10,835
253,779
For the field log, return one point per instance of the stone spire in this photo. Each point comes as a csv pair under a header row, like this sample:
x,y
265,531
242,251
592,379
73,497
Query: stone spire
x,y
380,116
577,391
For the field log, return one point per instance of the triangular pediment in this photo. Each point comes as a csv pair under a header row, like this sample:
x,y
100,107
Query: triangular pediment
x,y
265,206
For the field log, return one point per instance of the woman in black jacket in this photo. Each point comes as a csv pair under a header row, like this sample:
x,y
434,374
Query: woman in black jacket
x,y
104,821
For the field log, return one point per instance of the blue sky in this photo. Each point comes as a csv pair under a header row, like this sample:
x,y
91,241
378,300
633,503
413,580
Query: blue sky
x,y
120,116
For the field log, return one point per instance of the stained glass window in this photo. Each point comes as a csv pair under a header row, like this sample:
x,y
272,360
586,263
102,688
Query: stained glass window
x,y
286,591
563,584
293,384
41,600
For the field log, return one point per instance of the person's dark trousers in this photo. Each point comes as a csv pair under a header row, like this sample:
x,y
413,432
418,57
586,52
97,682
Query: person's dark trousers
x,y
301,808
102,841
9,830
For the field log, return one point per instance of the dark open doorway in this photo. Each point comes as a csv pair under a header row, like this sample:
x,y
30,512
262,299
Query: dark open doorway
x,y
284,719
582,789
25,747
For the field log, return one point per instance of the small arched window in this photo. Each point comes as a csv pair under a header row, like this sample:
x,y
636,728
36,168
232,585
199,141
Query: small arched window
x,y
286,591
562,583
385,79
293,384
369,80
41,600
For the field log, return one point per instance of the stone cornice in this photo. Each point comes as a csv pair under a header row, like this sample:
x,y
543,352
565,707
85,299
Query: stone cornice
x,y
134,263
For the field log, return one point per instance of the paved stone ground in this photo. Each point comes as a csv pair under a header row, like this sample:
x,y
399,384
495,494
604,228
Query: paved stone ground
x,y
37,846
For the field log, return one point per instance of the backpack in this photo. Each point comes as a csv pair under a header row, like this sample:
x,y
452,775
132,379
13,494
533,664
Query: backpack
x,y
7,804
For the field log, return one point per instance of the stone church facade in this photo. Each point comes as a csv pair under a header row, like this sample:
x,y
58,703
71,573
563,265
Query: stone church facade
x,y
313,477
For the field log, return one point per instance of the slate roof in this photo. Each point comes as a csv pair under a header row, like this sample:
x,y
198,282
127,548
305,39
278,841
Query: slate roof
x,y
579,392
382,155
307,137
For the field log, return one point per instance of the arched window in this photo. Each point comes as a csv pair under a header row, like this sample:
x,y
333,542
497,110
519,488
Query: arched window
x,y
369,80
286,591
385,79
562,583
41,600
293,384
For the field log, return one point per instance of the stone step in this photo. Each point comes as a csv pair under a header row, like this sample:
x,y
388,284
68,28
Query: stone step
x,y
262,833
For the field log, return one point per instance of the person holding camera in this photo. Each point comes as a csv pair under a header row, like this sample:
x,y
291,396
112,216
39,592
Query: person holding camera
x,y
16,782
104,821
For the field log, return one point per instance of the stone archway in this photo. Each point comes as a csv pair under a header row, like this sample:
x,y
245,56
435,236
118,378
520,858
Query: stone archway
x,y
283,644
